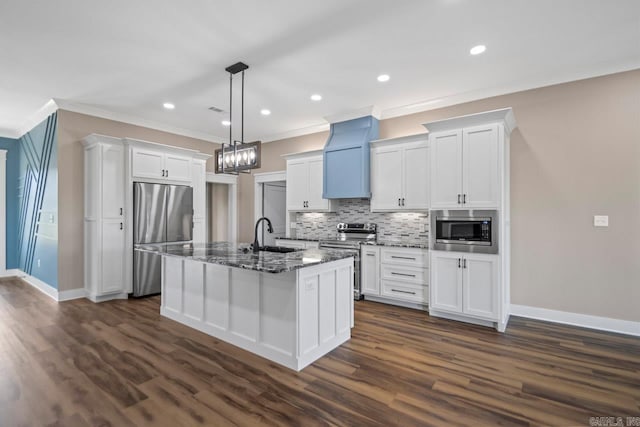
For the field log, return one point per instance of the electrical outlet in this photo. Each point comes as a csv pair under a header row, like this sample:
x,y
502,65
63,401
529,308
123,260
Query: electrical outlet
x,y
601,220
38,262
293,225
423,228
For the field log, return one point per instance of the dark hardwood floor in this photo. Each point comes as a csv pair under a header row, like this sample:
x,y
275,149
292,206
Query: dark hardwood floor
x,y
120,364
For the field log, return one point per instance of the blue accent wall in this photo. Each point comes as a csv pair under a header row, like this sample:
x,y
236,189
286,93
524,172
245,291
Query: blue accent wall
x,y
36,204
13,160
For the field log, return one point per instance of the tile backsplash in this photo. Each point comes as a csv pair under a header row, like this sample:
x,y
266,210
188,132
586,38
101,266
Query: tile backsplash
x,y
392,226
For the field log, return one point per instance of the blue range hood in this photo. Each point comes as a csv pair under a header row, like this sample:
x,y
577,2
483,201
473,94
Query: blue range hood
x,y
346,159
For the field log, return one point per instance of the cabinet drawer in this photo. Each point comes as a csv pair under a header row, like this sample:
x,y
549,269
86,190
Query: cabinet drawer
x,y
418,276
405,291
401,256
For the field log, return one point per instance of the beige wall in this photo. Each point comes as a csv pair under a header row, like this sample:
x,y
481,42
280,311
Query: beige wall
x,y
575,154
218,199
72,127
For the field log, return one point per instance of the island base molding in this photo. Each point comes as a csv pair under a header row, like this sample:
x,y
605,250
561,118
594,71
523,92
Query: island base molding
x,y
291,318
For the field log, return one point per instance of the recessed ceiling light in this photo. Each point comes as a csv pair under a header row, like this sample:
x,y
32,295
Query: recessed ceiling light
x,y
168,106
383,78
477,50
226,123
265,112
316,97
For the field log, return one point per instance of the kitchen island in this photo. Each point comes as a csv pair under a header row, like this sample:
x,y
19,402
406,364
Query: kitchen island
x,y
291,308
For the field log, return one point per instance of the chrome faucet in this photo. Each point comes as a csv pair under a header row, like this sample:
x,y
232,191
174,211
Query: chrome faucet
x,y
256,245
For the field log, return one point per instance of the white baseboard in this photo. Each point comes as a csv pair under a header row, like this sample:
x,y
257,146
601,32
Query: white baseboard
x,y
45,288
72,294
608,324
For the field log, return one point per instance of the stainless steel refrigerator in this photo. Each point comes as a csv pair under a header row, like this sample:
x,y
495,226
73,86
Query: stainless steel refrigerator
x,y
161,214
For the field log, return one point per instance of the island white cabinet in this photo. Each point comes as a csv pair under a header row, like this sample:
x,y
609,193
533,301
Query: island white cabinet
x,y
465,168
400,174
304,183
105,211
159,165
291,318
466,283
395,275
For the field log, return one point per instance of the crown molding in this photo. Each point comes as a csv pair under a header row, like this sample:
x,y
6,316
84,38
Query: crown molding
x,y
297,132
370,110
136,121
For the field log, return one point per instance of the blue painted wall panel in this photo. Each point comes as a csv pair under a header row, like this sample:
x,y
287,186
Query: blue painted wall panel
x,y
13,159
37,202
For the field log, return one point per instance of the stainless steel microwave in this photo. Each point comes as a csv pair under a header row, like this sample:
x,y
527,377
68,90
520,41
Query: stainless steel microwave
x,y
465,231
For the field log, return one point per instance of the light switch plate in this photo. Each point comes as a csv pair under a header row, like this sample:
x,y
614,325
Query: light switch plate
x,y
601,220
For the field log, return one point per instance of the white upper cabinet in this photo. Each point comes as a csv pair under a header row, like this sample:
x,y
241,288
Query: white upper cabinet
x,y
304,183
465,168
480,166
446,169
386,178
113,177
400,174
147,164
159,165
177,168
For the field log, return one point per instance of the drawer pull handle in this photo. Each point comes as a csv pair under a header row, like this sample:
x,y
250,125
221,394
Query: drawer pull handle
x,y
402,274
403,257
371,254
403,292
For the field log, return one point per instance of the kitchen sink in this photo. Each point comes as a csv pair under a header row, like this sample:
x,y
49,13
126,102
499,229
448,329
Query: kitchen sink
x,y
276,249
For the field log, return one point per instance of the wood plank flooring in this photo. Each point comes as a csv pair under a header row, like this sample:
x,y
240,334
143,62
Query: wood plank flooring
x,y
121,364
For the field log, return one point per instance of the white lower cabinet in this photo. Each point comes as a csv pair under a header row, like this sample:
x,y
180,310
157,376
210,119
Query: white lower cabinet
x,y
112,269
369,267
464,283
395,274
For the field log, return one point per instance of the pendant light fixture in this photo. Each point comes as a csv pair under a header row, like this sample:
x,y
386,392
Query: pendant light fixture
x,y
237,156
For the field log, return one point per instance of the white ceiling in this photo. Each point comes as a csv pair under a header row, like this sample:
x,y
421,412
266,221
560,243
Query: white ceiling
x,y
122,59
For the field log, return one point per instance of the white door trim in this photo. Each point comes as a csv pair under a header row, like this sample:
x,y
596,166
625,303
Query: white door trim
x,y
232,182
259,180
3,210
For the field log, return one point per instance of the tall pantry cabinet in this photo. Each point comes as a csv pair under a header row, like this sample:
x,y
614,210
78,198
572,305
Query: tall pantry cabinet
x,y
470,171
111,166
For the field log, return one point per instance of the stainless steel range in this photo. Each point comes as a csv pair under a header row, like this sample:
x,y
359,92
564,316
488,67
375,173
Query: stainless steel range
x,y
349,238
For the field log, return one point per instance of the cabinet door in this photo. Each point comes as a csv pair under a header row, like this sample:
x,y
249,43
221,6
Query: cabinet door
x,y
199,189
480,166
297,184
177,168
112,182
369,267
314,197
481,285
147,164
446,281
446,169
416,178
113,248
386,179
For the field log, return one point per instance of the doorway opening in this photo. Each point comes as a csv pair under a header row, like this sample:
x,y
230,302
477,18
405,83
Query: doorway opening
x,y
222,201
271,202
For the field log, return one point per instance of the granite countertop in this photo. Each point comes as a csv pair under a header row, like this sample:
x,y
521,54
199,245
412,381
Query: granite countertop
x,y
240,256
398,244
